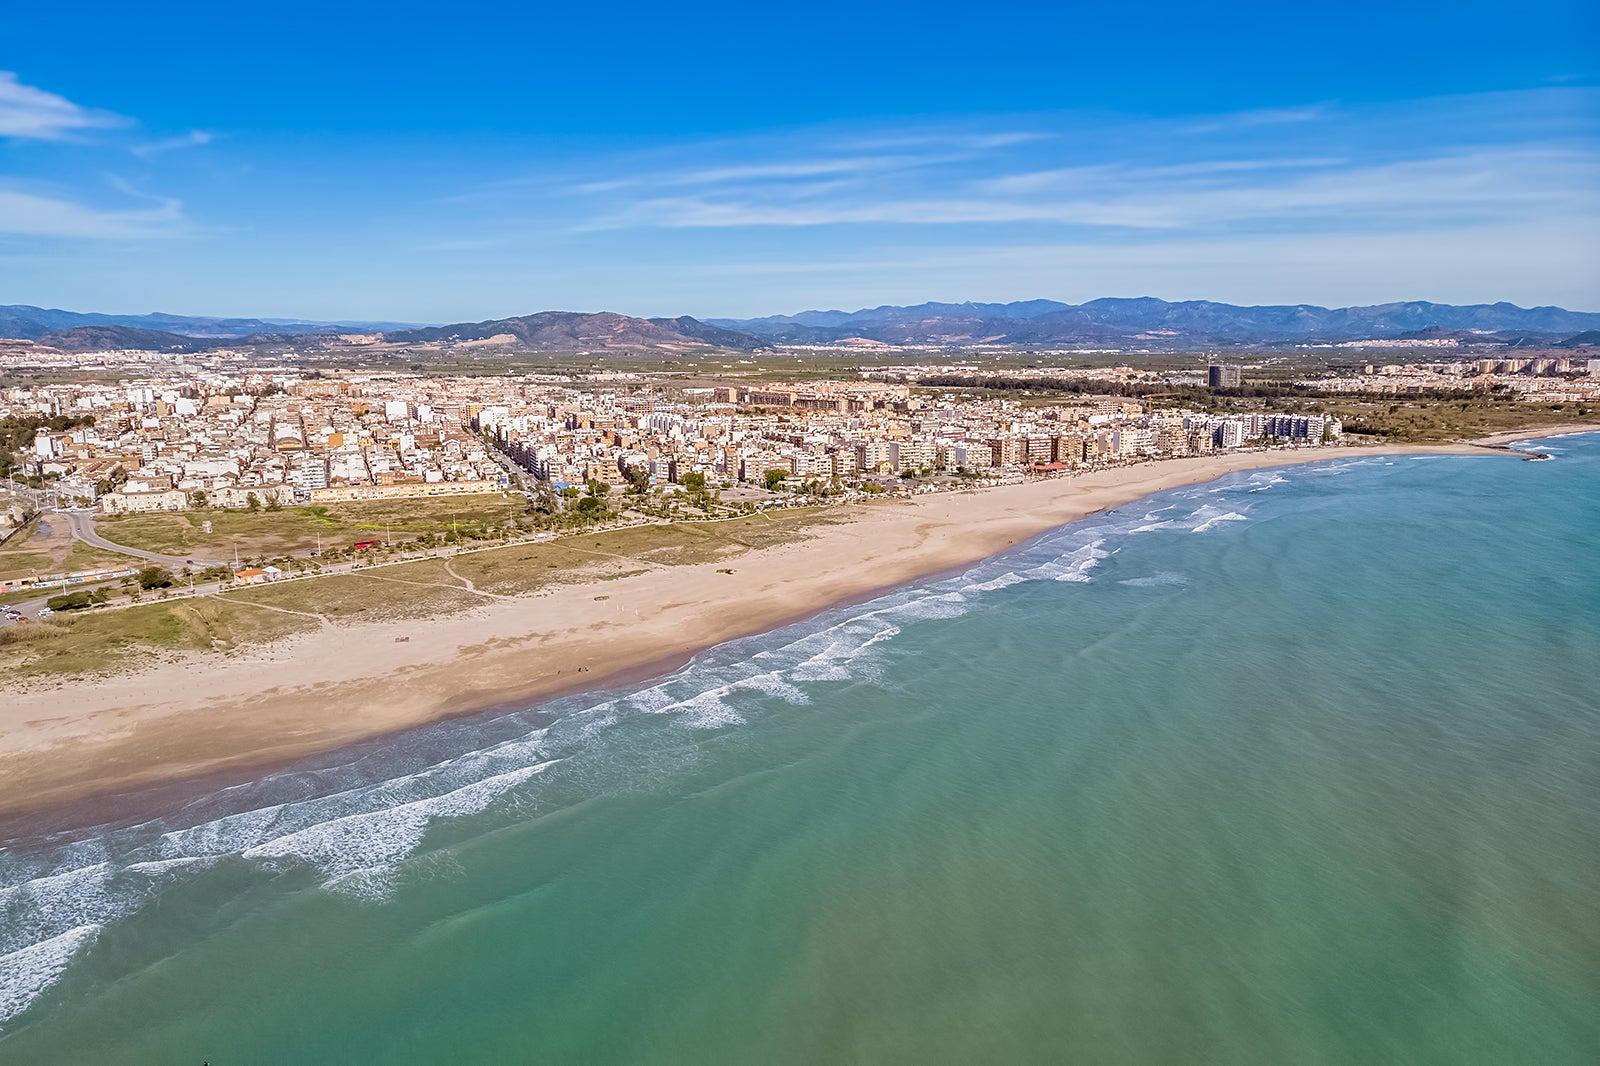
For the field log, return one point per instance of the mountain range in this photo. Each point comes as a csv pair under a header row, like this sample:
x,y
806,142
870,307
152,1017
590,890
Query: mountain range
x,y
1144,322
25,322
1122,320
566,330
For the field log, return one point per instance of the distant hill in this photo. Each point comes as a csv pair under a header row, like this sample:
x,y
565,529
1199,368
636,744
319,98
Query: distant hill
x,y
720,336
1158,322
111,338
569,330
1144,322
1589,338
26,322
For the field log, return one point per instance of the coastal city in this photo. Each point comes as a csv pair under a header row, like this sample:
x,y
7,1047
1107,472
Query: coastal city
x,y
131,432
192,437
247,440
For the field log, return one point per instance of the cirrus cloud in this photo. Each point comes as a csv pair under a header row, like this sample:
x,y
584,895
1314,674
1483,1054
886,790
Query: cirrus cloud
x,y
31,215
27,112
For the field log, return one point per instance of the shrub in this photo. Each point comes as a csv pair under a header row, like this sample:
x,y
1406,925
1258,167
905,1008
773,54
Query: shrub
x,y
154,577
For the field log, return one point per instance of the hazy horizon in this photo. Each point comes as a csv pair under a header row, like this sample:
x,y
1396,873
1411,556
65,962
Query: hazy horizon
x,y
851,309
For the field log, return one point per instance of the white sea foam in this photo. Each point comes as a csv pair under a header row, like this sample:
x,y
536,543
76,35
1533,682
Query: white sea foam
x,y
1071,566
708,710
1210,523
378,839
1207,517
238,833
362,831
1076,565
933,607
1337,467
1003,581
1162,579
26,973
1264,481
44,907
774,685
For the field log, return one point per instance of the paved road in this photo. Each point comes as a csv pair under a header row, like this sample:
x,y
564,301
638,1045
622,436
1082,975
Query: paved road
x,y
29,607
82,525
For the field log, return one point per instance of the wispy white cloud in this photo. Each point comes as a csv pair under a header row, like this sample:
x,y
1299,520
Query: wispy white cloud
x,y
701,213
971,142
800,168
465,244
1503,188
1109,173
834,161
1525,264
192,139
1271,116
28,214
769,159
28,112
776,171
1070,177
1205,195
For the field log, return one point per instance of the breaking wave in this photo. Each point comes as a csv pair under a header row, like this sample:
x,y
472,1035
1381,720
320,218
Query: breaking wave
x,y
26,973
1211,521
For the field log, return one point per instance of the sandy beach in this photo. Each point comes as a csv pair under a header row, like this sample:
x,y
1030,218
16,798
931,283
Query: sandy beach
x,y
247,711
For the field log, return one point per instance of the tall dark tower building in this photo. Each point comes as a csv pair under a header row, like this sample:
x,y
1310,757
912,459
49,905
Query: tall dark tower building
x,y
1222,377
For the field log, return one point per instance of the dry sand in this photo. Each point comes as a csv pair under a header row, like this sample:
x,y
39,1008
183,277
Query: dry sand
x,y
242,713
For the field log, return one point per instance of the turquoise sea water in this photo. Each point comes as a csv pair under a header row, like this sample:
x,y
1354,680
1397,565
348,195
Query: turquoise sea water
x,y
1301,766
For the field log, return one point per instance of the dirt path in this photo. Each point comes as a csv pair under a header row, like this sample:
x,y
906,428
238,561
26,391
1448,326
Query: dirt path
x,y
466,585
322,618
470,585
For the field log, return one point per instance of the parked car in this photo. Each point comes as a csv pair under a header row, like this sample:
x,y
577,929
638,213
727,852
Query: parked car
x,y
45,612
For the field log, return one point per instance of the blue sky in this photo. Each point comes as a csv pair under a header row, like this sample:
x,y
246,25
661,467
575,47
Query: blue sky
x,y
471,160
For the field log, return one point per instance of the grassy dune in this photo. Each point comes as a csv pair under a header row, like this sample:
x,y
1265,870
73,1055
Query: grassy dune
x,y
296,529
92,642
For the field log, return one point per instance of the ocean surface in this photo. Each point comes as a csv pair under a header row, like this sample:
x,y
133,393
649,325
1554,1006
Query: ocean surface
x,y
1300,766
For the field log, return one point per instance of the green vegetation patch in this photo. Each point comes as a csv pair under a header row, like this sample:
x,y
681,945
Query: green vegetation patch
x,y
301,529
1419,422
527,567
94,642
24,564
85,641
360,597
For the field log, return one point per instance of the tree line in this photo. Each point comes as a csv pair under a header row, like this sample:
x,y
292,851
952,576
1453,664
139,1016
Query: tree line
x,y
17,433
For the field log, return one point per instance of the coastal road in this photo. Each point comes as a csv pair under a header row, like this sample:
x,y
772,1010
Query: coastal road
x,y
82,526
29,607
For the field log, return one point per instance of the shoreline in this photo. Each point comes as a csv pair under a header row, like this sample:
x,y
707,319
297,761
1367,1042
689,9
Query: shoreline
x,y
133,742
